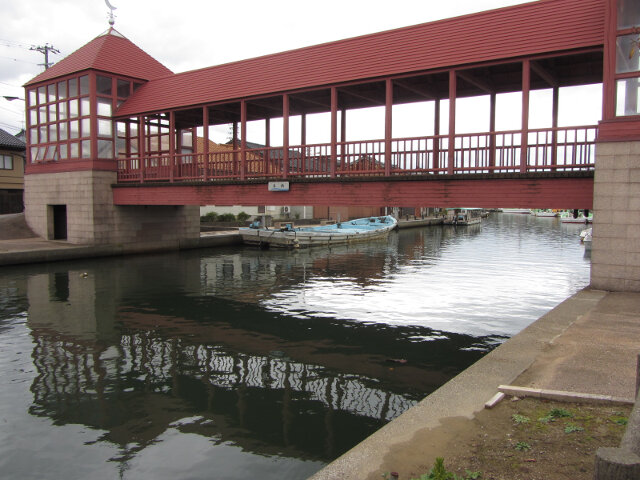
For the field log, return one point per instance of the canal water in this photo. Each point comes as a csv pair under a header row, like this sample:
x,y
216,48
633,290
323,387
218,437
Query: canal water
x,y
237,363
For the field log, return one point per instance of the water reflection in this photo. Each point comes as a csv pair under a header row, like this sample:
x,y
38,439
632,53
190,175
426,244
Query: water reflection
x,y
252,362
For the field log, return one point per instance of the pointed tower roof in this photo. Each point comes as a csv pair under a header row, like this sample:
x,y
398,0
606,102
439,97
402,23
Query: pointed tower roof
x,y
110,52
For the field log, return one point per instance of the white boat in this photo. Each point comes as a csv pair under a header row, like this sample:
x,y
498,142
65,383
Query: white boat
x,y
523,211
358,230
570,217
544,213
463,216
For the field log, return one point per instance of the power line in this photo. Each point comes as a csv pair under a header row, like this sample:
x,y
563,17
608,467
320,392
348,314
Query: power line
x,y
15,112
18,60
6,125
10,43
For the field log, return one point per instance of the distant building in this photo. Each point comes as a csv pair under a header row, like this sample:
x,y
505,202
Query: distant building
x,y
12,158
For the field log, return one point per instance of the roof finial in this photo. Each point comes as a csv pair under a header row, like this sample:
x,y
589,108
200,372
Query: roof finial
x,y
112,8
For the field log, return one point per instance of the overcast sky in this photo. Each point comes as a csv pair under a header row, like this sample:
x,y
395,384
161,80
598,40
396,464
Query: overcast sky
x,y
189,34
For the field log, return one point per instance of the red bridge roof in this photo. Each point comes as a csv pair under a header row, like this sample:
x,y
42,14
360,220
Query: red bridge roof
x,y
535,28
110,52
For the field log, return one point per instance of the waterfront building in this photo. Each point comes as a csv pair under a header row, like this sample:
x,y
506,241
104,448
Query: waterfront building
x,y
11,173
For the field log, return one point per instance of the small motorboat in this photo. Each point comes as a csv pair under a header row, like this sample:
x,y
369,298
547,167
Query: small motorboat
x,y
463,216
289,236
579,217
544,213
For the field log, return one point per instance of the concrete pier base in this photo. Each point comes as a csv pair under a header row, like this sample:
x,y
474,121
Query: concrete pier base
x,y
91,218
615,254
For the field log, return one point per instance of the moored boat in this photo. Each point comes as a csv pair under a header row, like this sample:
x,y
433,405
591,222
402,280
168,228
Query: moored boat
x,y
463,216
358,230
544,213
576,217
522,211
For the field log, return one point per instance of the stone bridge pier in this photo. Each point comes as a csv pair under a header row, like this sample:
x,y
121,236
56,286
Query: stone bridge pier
x,y
615,255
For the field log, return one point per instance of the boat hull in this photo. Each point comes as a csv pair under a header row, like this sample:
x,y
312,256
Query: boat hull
x,y
347,232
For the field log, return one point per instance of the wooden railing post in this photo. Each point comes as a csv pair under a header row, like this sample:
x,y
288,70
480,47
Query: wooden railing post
x,y
285,135
452,122
334,132
436,135
524,136
388,130
492,132
205,148
303,141
141,146
554,125
243,139
172,144
234,146
266,160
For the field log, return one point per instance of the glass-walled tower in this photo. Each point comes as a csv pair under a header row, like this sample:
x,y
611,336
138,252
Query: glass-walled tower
x,y
73,146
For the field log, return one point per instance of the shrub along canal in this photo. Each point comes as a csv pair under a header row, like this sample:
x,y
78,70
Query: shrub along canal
x,y
237,363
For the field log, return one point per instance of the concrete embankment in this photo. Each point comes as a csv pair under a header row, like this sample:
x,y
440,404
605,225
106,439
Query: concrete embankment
x,y
583,350
37,250
19,245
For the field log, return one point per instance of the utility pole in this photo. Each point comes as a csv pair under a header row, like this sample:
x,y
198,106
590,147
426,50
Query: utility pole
x,y
45,51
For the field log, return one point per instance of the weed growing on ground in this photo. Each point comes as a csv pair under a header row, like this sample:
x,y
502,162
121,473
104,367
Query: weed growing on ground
x,y
520,419
522,446
560,413
439,472
571,427
619,419
554,414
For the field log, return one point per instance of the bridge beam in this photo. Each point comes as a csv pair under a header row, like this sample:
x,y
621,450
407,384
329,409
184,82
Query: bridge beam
x,y
519,191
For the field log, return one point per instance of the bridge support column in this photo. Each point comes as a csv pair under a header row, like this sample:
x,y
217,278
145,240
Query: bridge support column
x,y
615,255
91,218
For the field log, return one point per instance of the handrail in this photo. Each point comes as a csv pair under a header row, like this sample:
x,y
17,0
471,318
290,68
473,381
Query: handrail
x,y
547,150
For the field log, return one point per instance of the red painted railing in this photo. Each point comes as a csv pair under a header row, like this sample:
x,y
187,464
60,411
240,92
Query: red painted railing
x,y
547,150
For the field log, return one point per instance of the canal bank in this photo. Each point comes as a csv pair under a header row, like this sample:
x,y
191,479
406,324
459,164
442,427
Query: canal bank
x,y
37,250
584,350
18,245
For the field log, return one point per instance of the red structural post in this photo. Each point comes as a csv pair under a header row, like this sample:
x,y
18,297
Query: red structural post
x,y
141,145
267,132
452,121
492,130
524,139
267,143
388,130
303,141
334,131
343,136
172,143
609,67
205,139
234,146
436,134
285,135
243,139
554,125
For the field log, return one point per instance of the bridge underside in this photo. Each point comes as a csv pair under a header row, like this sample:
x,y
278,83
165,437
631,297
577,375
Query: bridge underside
x,y
561,191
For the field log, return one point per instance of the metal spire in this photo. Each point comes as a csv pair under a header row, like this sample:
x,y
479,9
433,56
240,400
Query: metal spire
x,y
111,8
